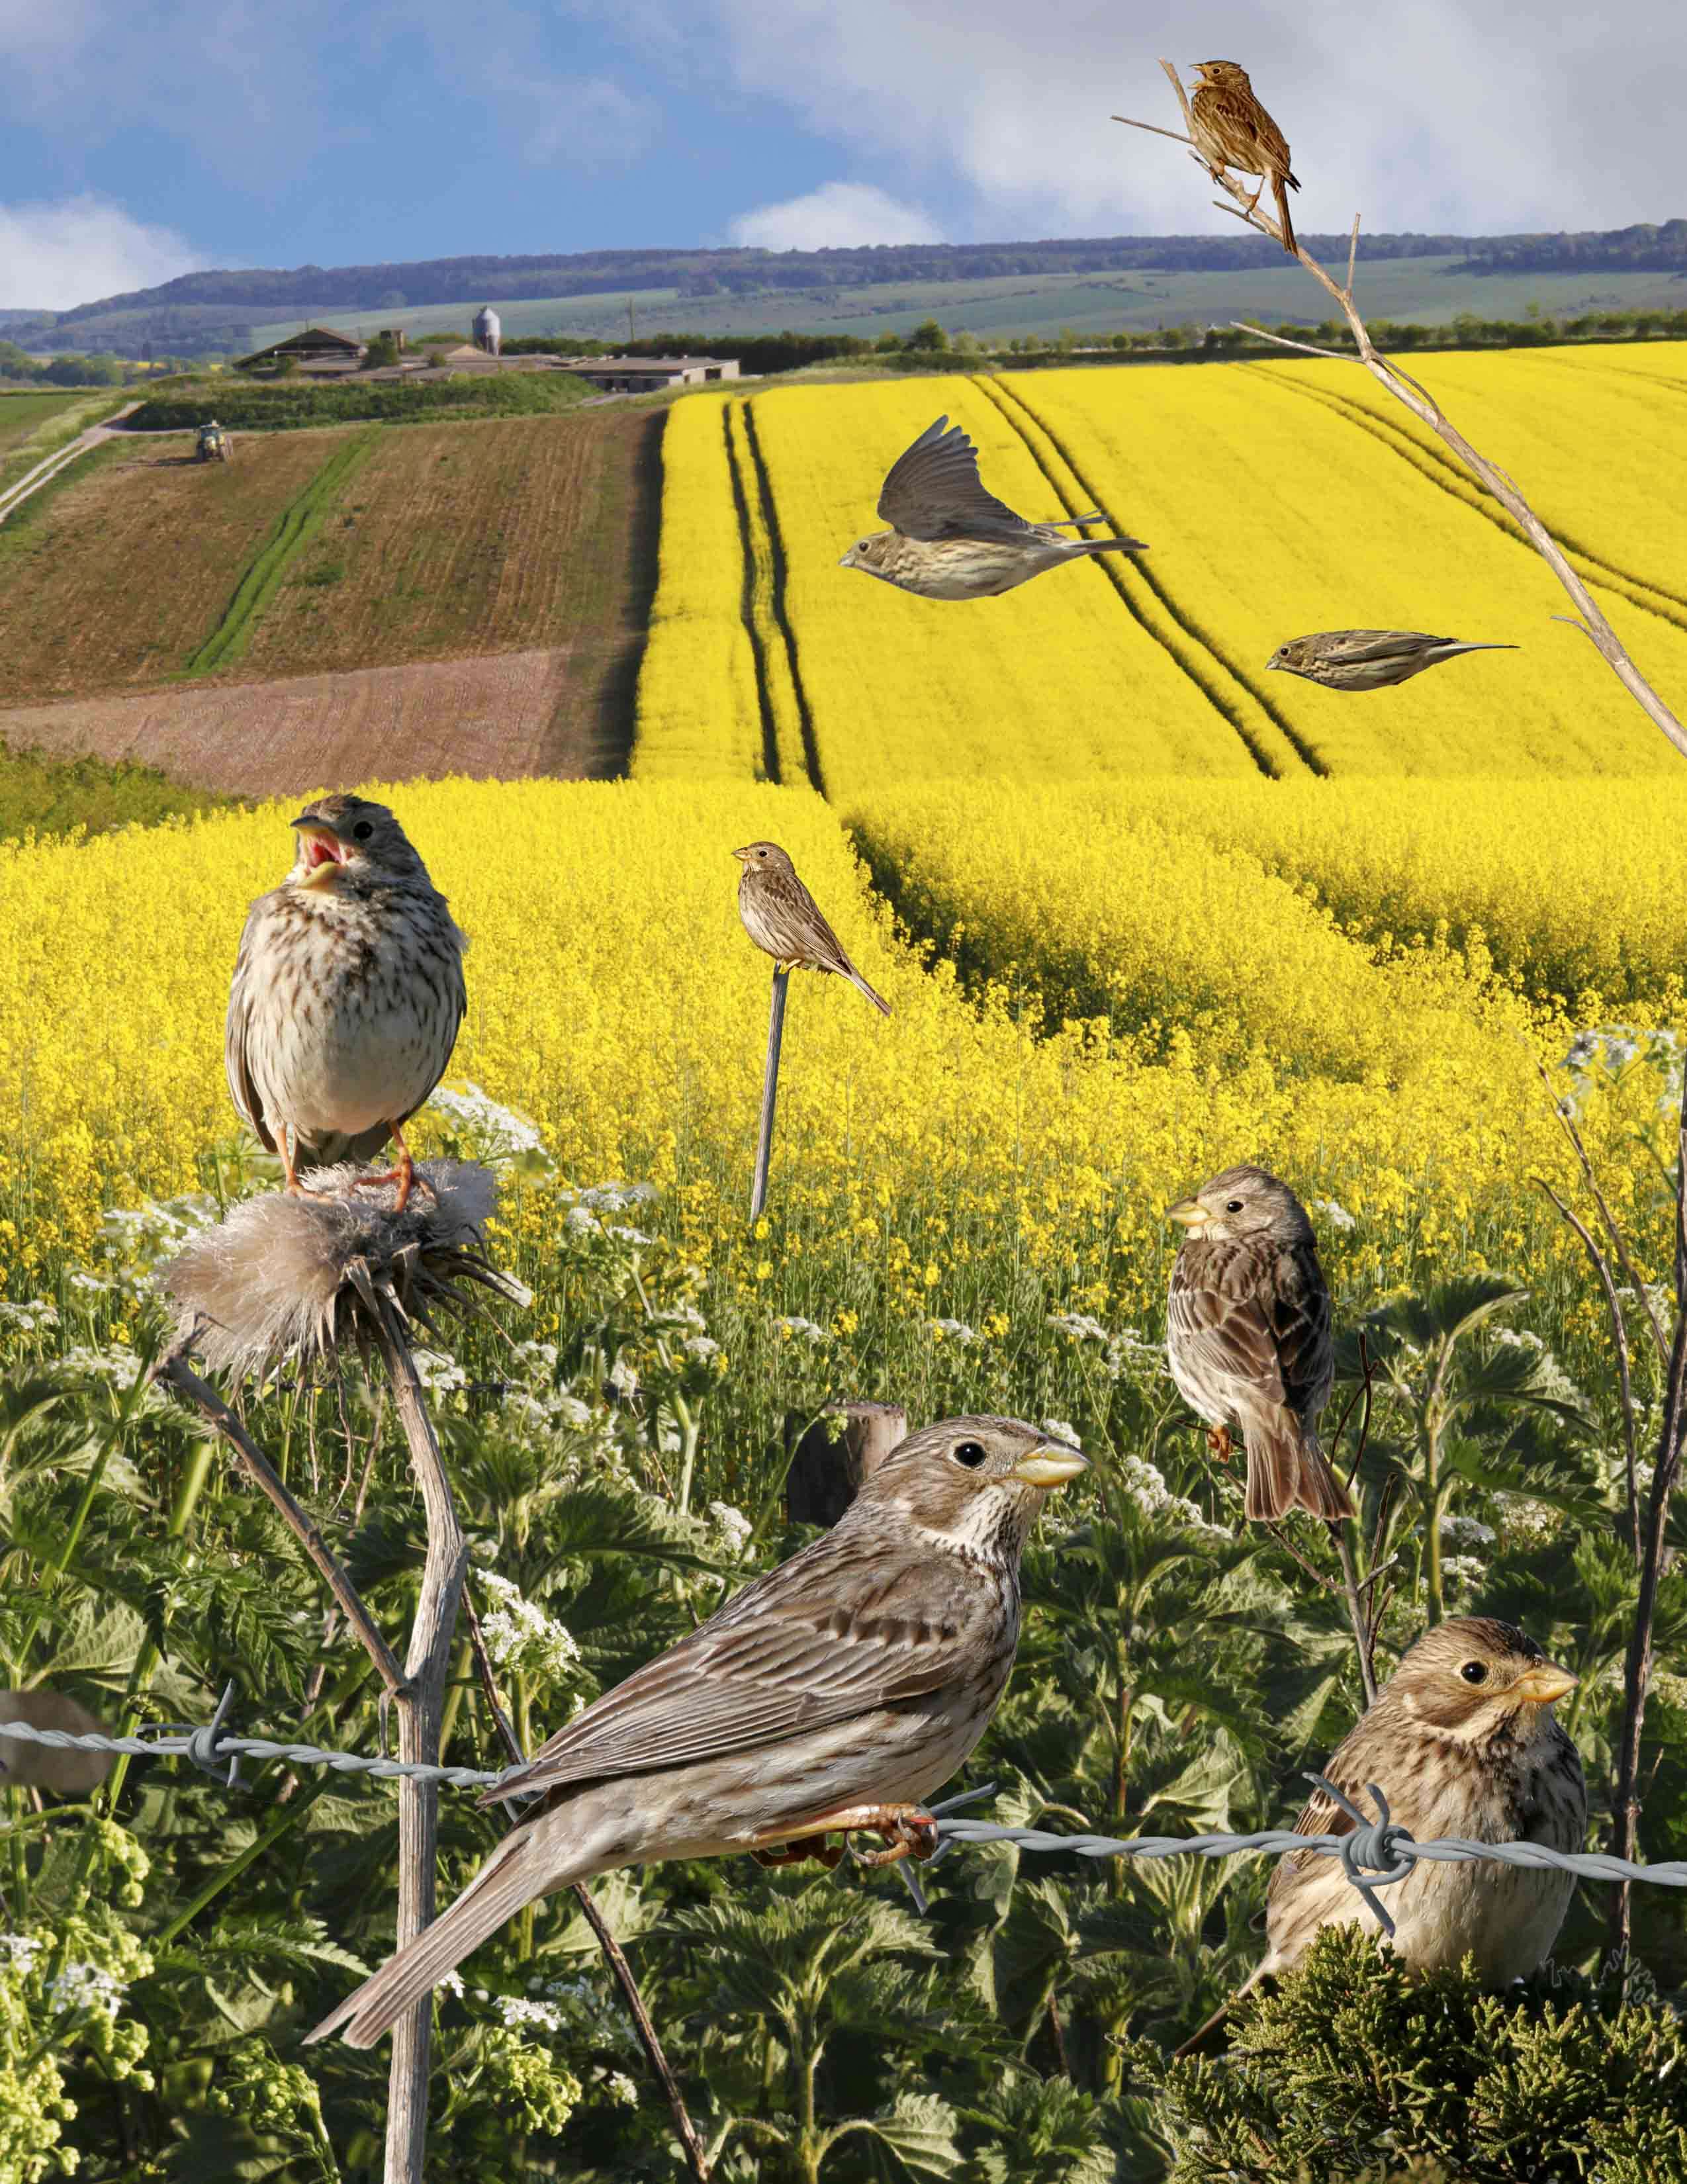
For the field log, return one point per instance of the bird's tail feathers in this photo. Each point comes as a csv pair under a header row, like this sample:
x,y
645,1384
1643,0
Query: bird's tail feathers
x,y
1065,522
498,1891
860,984
1109,546
1448,651
1219,2014
1288,1470
1282,196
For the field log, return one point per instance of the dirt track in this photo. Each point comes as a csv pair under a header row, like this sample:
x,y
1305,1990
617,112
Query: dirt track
x,y
507,715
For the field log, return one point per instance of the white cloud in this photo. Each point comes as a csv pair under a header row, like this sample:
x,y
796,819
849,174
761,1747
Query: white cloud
x,y
836,216
1426,114
53,256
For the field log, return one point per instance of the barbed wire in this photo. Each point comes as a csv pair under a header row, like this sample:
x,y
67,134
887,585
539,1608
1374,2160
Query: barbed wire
x,y
1375,1854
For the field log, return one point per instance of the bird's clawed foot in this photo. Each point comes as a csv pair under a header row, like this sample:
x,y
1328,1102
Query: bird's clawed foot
x,y
908,1831
405,1175
1219,1444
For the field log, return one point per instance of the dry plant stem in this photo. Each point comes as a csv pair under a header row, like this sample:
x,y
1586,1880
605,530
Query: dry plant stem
x,y
1422,405
770,1093
182,1378
613,1954
1637,1668
422,1705
1364,1634
1567,1123
1619,1336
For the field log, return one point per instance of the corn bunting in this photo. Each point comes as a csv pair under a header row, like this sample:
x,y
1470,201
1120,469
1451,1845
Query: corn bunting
x,y
837,1692
951,539
1231,128
1248,1337
782,917
1368,659
347,996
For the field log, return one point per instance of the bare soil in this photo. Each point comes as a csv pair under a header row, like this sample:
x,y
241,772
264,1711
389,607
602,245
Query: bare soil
x,y
505,716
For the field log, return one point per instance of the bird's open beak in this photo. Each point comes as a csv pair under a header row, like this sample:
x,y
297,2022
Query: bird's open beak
x,y
324,851
1543,1683
1050,1466
1189,1211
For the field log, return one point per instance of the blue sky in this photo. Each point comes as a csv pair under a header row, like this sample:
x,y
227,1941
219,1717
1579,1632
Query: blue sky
x,y
145,139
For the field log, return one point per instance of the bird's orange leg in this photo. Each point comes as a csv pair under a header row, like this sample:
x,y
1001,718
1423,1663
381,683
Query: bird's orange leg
x,y
909,1831
289,1168
405,1175
1219,1443
804,1847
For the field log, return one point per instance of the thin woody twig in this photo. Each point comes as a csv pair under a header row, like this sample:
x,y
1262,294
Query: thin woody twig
x,y
1428,412
1567,1123
1619,1335
1153,128
613,1953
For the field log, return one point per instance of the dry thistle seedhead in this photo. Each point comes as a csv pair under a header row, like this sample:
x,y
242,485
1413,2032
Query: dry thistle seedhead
x,y
295,1278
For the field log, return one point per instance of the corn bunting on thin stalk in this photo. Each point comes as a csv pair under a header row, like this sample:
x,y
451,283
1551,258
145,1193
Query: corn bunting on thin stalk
x,y
1231,128
783,919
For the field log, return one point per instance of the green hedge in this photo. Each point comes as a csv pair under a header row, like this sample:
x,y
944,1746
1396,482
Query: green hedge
x,y
288,404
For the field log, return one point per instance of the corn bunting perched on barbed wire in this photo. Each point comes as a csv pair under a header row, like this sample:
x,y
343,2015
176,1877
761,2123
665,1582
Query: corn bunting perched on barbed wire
x,y
782,917
837,1692
1368,659
1463,1741
951,539
347,996
1248,1337
1231,128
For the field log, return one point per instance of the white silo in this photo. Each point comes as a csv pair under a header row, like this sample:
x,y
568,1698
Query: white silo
x,y
488,334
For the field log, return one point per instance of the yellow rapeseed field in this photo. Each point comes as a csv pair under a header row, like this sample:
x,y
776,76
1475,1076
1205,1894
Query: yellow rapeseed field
x,y
1277,498
615,1000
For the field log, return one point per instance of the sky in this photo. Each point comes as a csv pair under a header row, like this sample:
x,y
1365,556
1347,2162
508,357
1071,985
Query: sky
x,y
145,140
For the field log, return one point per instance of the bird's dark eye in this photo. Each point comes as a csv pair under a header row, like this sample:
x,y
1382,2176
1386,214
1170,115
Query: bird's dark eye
x,y
1232,1206
363,830
1474,1672
972,1453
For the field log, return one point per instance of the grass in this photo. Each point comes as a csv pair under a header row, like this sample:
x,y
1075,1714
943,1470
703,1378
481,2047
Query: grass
x,y
288,404
21,414
114,574
45,422
42,795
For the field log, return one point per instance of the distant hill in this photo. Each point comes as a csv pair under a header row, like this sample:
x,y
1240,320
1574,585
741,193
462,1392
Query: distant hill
x,y
221,310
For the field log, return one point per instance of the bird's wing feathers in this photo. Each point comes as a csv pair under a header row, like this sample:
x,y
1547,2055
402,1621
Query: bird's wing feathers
x,y
1301,1328
236,1052
820,1639
934,490
1217,1323
1363,644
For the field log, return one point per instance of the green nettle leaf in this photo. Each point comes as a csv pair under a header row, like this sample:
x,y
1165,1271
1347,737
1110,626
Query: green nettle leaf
x,y
920,2130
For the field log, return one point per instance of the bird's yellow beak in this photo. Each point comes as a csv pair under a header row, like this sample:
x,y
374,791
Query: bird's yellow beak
x,y
1544,1682
323,849
1050,1466
847,561
1189,1211
743,855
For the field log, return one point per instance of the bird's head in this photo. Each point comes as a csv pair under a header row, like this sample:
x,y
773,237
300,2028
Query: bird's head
x,y
1294,658
1244,1201
1473,1676
346,835
1222,75
972,1485
764,857
868,553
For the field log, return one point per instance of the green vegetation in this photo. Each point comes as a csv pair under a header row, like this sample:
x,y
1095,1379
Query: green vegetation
x,y
245,407
1354,2063
295,528
40,794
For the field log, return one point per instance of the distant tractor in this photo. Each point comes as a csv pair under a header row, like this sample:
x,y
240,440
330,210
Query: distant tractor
x,y
214,444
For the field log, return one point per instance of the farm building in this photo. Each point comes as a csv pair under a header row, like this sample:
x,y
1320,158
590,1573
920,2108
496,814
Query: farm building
x,y
315,349
642,375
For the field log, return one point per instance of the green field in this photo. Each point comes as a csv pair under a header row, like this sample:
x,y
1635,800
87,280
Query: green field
x,y
1432,291
20,414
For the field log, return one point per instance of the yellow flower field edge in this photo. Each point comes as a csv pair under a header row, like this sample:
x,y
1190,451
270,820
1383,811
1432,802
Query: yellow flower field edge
x,y
698,713
932,1163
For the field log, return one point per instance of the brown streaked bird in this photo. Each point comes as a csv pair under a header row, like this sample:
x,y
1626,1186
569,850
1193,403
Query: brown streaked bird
x,y
1463,1741
1368,659
1248,1337
951,539
782,917
839,1691
1231,128
347,994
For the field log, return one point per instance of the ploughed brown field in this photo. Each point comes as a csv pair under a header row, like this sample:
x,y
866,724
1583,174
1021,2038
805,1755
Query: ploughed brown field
x,y
446,543
129,563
